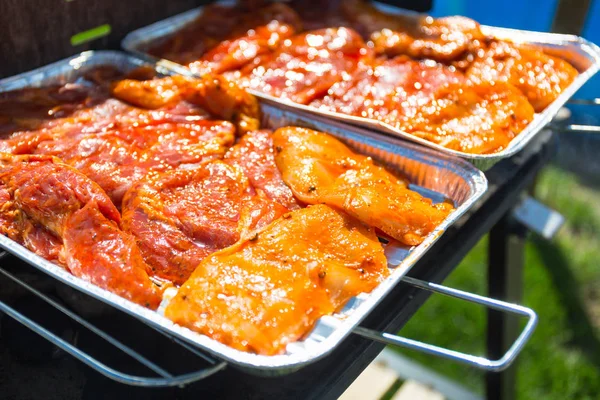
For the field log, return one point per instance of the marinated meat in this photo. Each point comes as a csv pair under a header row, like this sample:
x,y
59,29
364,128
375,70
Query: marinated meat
x,y
477,118
269,290
390,90
34,109
303,67
443,39
233,24
232,232
322,170
116,159
449,39
254,155
60,214
306,65
180,217
235,53
434,102
539,76
220,97
88,107
152,125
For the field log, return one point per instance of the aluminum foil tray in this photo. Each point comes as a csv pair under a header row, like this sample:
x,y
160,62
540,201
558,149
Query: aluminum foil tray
x,y
582,54
436,175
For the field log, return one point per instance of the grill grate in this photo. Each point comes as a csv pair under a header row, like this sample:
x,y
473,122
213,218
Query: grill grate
x,y
164,378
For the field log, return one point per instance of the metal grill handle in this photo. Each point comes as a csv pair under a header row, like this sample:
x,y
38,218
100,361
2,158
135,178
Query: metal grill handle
x,y
475,361
165,379
585,102
558,127
576,128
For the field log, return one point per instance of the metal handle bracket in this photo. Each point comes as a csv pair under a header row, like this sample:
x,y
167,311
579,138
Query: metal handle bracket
x,y
538,217
475,361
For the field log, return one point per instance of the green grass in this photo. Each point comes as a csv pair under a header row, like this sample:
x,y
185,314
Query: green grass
x,y
561,282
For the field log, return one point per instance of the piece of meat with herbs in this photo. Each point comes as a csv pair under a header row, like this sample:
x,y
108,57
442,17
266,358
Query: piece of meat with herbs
x,y
116,159
269,290
322,170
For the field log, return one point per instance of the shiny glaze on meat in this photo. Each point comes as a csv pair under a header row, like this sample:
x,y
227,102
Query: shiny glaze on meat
x,y
269,290
321,170
152,125
441,39
182,216
63,216
224,230
540,77
389,90
254,155
477,118
306,65
434,102
219,28
116,159
306,69
235,53
214,94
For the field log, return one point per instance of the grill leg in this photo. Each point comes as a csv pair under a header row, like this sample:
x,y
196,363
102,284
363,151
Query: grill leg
x,y
505,282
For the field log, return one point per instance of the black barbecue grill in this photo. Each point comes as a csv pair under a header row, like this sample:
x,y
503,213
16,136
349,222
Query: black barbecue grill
x,y
130,352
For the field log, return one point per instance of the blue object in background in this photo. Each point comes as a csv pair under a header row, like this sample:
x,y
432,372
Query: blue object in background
x,y
590,115
532,15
